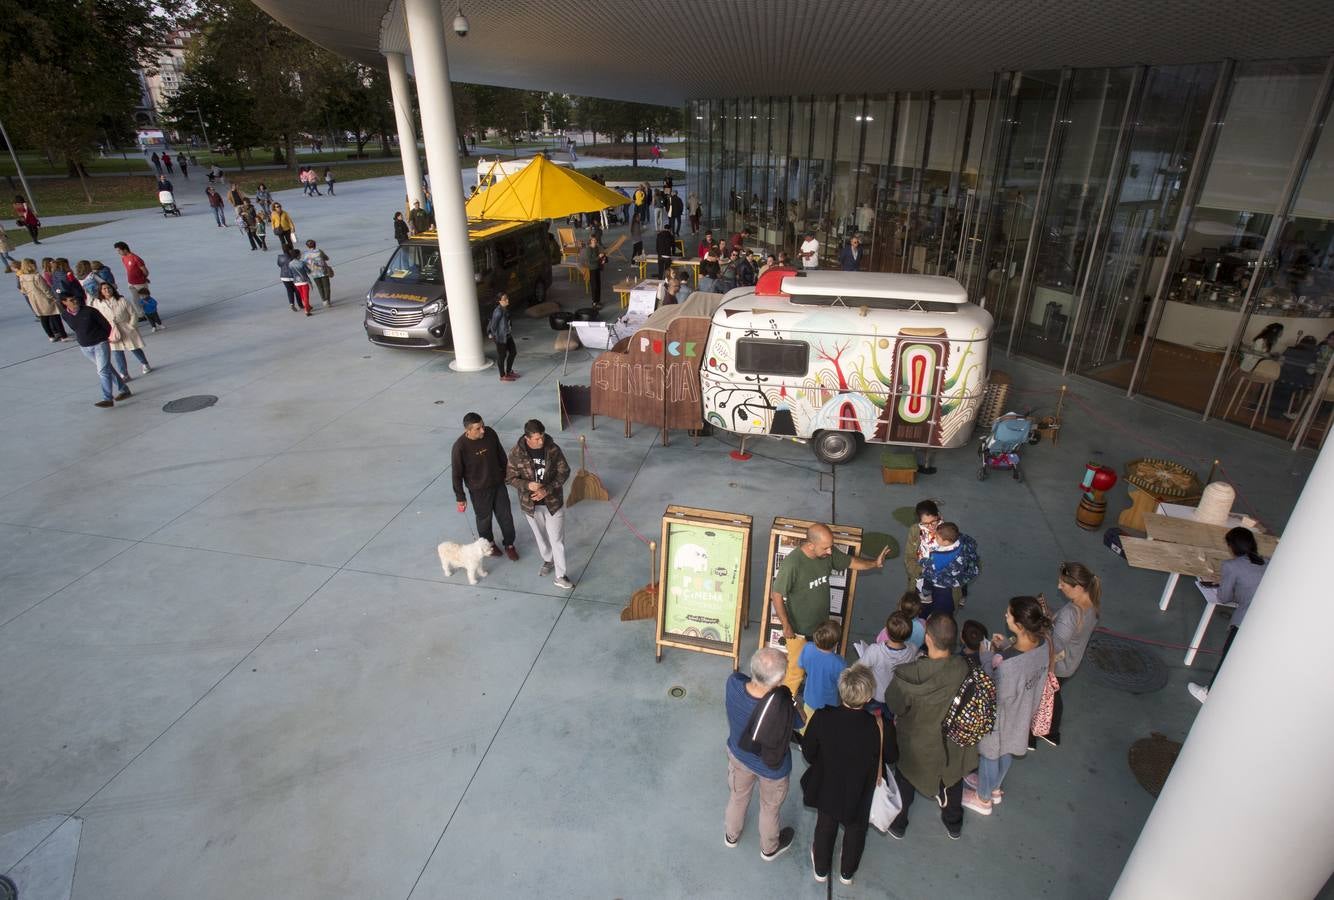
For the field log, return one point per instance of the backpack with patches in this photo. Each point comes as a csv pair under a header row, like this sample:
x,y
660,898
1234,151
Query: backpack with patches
x,y
972,712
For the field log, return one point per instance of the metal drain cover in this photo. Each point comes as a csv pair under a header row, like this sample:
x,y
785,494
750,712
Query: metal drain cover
x,y
1125,665
676,692
190,404
7,889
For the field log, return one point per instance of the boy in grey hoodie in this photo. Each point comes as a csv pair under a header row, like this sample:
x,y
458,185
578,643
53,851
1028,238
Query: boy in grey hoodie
x,y
883,658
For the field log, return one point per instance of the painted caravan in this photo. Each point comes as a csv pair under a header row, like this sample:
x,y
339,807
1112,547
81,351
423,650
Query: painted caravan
x,y
845,358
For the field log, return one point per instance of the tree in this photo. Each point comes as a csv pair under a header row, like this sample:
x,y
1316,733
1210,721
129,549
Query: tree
x,y
71,72
346,96
243,60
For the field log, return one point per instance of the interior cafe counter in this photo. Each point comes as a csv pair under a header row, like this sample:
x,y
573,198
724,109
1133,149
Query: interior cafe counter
x,y
1210,326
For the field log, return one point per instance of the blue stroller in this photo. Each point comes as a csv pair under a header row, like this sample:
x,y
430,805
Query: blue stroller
x,y
1000,449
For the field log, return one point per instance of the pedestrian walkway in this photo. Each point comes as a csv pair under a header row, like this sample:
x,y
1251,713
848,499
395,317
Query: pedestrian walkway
x,y
229,652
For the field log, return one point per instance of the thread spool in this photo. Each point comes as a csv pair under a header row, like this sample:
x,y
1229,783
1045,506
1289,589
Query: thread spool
x,y
1215,503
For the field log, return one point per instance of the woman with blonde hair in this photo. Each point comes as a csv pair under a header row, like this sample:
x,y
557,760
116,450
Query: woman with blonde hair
x,y
847,748
1072,627
42,300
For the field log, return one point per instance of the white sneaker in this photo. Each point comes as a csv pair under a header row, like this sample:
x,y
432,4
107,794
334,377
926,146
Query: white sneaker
x,y
144,370
563,582
1198,691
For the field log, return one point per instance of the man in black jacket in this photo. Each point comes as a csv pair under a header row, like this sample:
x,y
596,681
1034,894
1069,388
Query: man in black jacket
x,y
478,460
676,206
665,245
93,332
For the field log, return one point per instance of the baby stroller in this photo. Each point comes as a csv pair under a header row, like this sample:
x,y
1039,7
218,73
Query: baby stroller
x,y
168,201
1000,449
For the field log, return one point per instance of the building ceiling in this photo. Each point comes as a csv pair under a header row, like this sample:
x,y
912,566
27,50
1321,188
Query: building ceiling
x,y
667,51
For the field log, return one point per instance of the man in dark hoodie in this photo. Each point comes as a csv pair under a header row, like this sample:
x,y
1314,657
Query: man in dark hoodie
x,y
759,720
478,460
919,696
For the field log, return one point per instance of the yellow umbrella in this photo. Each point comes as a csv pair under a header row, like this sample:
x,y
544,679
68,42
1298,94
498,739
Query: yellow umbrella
x,y
542,190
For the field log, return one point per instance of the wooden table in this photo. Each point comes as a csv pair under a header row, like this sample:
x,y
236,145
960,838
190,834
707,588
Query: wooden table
x,y
623,290
1178,545
675,261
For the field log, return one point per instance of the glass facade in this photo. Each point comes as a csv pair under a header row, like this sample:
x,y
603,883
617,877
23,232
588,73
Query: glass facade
x,y
1136,225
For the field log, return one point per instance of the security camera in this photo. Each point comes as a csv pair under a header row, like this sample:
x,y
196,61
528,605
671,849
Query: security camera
x,y
461,24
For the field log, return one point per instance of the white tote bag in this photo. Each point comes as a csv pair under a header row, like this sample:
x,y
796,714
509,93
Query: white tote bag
x,y
886,802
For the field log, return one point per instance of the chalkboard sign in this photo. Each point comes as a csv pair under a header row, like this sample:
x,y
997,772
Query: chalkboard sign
x,y
784,538
704,581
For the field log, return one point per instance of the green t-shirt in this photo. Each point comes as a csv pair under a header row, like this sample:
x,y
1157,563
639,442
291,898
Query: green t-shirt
x,y
803,584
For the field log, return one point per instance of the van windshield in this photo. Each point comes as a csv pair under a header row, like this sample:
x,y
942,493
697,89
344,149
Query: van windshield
x,y
415,264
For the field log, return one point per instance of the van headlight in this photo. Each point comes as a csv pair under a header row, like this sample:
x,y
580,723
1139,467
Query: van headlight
x,y
431,309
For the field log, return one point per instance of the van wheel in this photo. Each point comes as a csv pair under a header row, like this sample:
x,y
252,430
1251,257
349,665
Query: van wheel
x,y
835,447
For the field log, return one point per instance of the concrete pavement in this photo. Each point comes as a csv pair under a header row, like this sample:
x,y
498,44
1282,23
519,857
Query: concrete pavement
x,y
230,655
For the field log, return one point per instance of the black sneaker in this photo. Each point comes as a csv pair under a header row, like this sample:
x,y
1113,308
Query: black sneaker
x,y
1053,739
784,842
955,832
898,831
1032,742
104,404
124,395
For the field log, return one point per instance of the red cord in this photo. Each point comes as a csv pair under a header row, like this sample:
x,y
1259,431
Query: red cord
x,y
617,507
1140,640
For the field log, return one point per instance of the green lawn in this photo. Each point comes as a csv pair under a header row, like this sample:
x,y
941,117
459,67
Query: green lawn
x,y
645,172
674,150
19,236
132,162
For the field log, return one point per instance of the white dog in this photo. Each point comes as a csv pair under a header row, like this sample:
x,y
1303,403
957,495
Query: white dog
x,y
465,556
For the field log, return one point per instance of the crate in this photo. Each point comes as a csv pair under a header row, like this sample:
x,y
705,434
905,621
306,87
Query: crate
x,y
898,468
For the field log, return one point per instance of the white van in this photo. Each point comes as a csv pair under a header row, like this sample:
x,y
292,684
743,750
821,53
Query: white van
x,y
845,358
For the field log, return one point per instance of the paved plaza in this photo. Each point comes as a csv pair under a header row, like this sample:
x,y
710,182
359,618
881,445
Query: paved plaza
x,y
232,666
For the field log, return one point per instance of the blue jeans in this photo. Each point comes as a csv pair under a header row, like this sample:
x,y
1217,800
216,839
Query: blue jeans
x,y
219,215
100,354
990,774
118,360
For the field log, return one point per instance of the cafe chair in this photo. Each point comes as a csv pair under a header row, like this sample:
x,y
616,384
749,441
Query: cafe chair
x,y
614,249
569,246
1327,397
1265,374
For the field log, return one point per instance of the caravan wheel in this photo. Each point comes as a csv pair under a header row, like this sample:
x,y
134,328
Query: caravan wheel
x,y
835,447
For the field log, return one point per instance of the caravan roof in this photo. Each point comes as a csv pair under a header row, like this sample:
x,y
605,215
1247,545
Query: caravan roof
x,y
853,286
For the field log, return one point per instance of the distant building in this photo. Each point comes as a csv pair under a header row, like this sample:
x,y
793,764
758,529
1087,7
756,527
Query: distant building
x,y
158,83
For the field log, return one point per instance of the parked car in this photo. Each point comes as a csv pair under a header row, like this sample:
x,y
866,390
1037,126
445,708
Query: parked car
x,y
407,306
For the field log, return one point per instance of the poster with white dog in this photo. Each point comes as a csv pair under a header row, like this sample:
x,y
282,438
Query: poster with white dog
x,y
703,577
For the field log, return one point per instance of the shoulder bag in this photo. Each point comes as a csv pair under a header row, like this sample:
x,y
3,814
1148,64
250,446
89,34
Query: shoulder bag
x,y
886,802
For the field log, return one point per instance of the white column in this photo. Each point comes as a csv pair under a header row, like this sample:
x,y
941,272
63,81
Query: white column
x,y
426,33
401,92
1247,810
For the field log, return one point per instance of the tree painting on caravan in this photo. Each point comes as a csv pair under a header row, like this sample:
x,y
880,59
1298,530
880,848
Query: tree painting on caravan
x,y
839,358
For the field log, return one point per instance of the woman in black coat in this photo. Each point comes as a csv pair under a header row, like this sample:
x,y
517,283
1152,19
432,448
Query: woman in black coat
x,y
845,749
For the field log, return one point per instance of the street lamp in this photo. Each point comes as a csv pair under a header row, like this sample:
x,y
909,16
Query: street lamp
x,y
208,146
27,191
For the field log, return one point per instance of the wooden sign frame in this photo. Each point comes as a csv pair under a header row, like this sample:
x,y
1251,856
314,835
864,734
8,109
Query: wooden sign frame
x,y
705,521
784,537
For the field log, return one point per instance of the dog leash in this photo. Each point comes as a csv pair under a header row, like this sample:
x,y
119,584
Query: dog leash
x,y
471,530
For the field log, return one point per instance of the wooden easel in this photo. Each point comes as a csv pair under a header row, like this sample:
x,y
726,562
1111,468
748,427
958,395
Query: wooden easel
x,y
723,521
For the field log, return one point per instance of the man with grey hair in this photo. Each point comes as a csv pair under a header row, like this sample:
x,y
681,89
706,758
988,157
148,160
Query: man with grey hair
x,y
759,718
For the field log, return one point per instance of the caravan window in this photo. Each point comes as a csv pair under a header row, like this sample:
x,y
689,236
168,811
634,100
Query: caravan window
x,y
758,357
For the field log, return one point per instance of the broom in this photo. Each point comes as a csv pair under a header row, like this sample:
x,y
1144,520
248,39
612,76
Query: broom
x,y
586,485
644,602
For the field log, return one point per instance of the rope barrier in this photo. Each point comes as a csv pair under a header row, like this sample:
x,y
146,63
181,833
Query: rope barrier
x,y
1141,640
617,507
